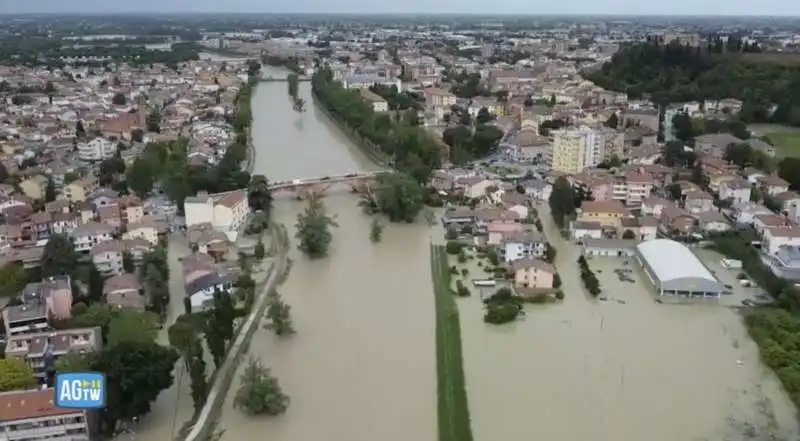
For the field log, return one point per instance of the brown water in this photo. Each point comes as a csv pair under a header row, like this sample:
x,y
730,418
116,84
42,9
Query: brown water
x,y
362,364
618,371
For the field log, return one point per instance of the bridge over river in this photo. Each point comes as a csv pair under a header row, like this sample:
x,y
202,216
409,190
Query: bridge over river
x,y
301,78
304,187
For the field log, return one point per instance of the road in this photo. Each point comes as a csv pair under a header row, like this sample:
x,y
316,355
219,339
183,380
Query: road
x,y
173,407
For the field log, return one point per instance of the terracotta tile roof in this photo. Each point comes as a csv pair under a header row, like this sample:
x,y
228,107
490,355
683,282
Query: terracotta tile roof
x,y
20,405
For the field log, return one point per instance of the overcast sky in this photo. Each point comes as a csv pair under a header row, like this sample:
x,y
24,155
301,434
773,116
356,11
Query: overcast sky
x,y
577,7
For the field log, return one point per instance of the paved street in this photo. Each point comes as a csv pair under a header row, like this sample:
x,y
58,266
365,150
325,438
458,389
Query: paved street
x,y
174,406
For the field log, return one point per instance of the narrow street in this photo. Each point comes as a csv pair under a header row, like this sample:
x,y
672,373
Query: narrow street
x,y
174,405
567,254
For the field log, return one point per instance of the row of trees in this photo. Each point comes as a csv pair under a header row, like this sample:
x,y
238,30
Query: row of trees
x,y
410,147
676,73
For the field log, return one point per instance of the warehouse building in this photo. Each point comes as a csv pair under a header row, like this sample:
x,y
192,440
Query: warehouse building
x,y
675,270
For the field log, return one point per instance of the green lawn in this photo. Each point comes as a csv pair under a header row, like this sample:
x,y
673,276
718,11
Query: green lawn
x,y
786,139
453,411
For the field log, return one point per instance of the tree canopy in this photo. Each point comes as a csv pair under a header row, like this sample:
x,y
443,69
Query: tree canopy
x,y
15,374
410,147
676,73
59,257
136,372
313,229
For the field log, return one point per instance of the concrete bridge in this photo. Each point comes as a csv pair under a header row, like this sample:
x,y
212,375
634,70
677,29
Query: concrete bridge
x,y
317,186
300,78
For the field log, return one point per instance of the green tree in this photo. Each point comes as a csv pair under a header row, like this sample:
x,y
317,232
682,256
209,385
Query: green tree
x,y
629,234
50,192
259,252
197,374
313,229
214,340
225,314
562,201
376,231
131,325
119,99
136,373
612,121
279,314
141,177
98,314
59,256
12,279
182,336
127,262
15,374
156,286
73,362
292,83
259,392
399,197
258,194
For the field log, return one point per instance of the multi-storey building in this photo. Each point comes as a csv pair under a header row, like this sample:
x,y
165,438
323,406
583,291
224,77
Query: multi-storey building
x,y
40,350
97,149
31,415
26,318
575,149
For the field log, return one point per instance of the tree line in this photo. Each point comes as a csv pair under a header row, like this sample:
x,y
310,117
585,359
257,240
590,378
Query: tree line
x,y
676,73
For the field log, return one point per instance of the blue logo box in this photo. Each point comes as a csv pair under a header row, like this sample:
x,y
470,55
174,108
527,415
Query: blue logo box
x,y
82,390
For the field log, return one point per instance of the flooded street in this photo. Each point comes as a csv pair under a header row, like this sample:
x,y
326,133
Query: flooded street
x,y
618,371
362,364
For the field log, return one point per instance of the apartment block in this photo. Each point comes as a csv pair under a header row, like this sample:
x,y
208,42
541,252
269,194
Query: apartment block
x,y
31,415
41,349
25,319
575,149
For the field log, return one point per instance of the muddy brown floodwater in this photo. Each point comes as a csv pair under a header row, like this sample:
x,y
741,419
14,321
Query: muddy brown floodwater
x,y
362,364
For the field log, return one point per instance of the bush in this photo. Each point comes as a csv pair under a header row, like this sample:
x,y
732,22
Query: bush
x,y
461,289
500,313
464,271
462,256
560,295
454,247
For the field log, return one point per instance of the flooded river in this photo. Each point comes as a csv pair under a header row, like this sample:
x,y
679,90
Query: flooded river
x,y
362,364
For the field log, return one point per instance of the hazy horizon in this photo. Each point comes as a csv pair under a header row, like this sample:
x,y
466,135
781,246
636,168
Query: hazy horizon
x,y
723,8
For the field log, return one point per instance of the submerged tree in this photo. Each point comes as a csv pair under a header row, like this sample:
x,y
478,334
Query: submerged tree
x,y
299,105
376,231
259,392
313,229
293,83
279,314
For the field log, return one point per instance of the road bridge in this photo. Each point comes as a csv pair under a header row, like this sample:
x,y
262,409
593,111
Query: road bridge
x,y
283,79
318,186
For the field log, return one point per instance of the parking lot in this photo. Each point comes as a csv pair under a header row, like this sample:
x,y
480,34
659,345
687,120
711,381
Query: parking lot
x,y
624,282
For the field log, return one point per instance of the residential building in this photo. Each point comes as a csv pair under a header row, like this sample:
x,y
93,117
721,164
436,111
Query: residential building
x,y
522,245
227,212
86,236
31,415
737,191
41,349
96,149
533,273
26,318
575,149
79,190
609,214
145,229
124,291
201,290
376,101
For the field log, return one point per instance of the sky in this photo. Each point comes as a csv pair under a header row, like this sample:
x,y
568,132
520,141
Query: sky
x,y
573,7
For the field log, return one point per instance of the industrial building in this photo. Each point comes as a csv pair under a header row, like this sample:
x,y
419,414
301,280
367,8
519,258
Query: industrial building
x,y
675,270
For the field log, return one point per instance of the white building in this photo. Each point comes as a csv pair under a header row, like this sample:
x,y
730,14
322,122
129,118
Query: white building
x,y
97,149
31,415
86,236
227,212
575,149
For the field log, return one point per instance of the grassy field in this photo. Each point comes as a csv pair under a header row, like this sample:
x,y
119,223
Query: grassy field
x,y
786,139
453,412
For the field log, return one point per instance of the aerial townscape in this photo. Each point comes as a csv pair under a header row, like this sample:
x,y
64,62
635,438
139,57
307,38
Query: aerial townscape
x,y
399,227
